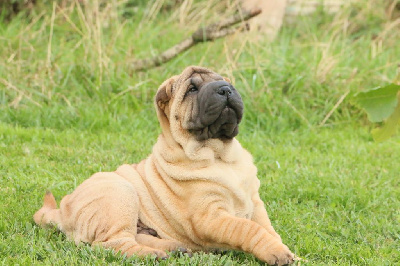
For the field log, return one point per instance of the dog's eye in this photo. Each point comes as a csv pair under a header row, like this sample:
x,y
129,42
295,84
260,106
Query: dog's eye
x,y
192,88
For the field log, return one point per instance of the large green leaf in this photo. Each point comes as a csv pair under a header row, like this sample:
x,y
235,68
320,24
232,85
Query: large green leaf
x,y
390,126
380,102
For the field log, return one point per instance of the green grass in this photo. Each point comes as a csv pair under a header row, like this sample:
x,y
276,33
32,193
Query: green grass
x,y
71,107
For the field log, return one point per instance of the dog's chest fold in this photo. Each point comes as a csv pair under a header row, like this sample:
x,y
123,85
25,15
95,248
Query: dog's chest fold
x,y
242,185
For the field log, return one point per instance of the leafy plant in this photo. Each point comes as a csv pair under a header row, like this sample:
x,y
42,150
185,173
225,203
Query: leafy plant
x,y
382,104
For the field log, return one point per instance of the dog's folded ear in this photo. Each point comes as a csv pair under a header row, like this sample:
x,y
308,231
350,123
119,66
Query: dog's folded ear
x,y
164,93
162,99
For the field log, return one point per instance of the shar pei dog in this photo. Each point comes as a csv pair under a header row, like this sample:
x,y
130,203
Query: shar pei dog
x,y
197,190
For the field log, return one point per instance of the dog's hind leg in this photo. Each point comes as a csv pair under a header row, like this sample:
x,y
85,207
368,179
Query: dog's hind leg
x,y
125,242
158,243
103,210
48,215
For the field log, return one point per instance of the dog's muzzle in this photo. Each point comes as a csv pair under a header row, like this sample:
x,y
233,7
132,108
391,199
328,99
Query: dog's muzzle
x,y
219,111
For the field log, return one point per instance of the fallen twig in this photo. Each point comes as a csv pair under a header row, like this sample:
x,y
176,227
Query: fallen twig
x,y
203,34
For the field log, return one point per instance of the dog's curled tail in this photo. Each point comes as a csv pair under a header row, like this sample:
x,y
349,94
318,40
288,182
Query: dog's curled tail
x,y
48,215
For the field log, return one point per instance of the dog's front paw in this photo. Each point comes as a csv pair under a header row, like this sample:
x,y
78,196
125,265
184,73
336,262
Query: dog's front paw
x,y
278,254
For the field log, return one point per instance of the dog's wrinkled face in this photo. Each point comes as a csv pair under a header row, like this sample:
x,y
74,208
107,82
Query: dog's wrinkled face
x,y
214,107
201,103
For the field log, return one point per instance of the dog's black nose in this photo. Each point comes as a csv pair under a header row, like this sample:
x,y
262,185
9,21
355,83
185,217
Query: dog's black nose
x,y
224,90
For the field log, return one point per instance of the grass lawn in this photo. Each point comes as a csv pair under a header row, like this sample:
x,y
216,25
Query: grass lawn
x,y
70,107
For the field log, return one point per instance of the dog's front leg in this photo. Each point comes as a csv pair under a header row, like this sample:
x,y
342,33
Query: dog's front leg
x,y
239,233
260,216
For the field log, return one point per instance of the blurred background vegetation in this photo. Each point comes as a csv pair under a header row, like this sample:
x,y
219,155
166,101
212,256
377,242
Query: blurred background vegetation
x,y
58,56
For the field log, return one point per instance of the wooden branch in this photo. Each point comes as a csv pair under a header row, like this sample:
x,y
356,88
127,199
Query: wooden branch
x,y
203,34
164,56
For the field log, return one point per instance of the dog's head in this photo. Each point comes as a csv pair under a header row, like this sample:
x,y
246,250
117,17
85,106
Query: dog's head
x,y
199,104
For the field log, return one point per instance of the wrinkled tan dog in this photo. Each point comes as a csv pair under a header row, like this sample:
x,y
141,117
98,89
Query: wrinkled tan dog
x,y
197,190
